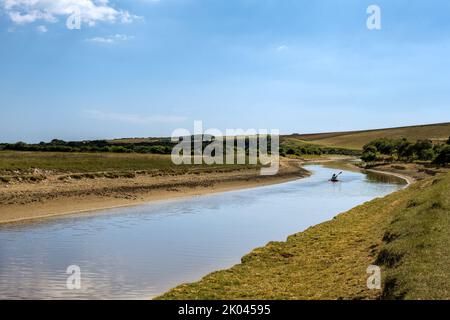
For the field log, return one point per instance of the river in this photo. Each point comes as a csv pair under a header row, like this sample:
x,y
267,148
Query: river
x,y
142,251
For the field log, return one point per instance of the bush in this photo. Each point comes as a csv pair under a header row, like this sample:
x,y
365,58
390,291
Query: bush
x,y
405,149
369,156
384,146
426,155
400,149
423,149
443,157
370,153
119,149
290,151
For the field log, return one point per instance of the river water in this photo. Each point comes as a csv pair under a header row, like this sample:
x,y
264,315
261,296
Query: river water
x,y
139,252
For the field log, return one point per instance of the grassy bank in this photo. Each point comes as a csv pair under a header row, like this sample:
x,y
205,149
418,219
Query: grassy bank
x,y
416,245
406,233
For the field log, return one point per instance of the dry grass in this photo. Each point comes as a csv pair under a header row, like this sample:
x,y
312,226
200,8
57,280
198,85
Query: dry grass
x,y
357,139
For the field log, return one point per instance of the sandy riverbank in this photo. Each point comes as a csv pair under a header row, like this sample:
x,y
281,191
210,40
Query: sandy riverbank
x,y
410,172
408,179
28,201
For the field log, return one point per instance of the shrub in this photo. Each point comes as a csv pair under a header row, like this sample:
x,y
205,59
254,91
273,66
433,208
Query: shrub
x,y
290,151
369,156
370,153
405,149
384,146
443,157
423,149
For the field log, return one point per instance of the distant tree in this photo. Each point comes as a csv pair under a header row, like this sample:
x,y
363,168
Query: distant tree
x,y
443,157
448,141
384,146
57,142
290,151
119,149
369,157
427,154
370,148
405,149
423,149
370,153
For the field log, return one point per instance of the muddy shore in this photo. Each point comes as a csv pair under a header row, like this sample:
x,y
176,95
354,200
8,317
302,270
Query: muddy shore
x,y
52,197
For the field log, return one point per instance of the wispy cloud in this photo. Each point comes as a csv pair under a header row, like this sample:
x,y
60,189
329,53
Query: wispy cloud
x,y
91,11
111,39
41,29
282,48
132,118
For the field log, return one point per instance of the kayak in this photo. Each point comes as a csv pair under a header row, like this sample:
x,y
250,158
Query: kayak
x,y
334,178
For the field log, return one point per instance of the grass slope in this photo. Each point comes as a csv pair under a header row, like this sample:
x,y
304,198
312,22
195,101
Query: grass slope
x,y
416,250
329,261
357,139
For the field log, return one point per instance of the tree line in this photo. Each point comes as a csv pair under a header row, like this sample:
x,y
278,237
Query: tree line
x,y
385,149
158,147
287,150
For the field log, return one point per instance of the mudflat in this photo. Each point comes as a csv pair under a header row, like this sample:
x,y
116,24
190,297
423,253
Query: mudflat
x,y
56,195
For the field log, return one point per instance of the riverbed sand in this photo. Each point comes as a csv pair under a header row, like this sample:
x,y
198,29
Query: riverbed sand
x,y
27,201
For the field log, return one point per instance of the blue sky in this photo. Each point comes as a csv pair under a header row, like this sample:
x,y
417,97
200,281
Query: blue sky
x,y
144,68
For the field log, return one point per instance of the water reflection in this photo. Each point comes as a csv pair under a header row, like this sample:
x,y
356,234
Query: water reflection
x,y
386,178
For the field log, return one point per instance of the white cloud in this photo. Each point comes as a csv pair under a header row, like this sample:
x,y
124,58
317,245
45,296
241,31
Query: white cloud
x,y
132,118
41,29
92,11
111,39
282,48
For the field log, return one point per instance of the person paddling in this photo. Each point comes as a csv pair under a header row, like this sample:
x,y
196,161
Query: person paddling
x,y
335,176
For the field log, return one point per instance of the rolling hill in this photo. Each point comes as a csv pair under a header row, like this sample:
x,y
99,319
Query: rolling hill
x,y
357,139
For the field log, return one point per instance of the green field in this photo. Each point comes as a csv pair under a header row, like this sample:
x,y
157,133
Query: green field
x,y
65,162
357,139
405,233
81,162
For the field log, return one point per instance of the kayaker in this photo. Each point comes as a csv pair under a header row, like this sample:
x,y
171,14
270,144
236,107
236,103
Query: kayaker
x,y
335,176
